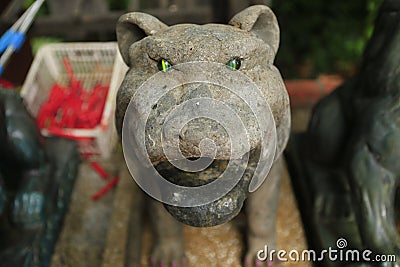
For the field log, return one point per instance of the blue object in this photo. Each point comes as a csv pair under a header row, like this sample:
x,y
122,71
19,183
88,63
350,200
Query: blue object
x,y
14,37
17,40
6,39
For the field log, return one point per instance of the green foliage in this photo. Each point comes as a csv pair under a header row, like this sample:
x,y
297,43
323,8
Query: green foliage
x,y
323,36
38,42
118,4
28,3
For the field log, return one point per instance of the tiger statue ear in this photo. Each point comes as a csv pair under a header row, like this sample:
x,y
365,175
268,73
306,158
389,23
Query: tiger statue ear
x,y
133,27
262,22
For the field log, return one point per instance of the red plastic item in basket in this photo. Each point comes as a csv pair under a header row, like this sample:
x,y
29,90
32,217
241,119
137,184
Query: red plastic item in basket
x,y
110,185
6,84
73,106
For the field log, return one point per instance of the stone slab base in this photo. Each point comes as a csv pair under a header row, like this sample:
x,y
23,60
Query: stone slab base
x,y
108,233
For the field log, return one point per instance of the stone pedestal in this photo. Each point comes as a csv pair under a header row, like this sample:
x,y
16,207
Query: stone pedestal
x,y
109,233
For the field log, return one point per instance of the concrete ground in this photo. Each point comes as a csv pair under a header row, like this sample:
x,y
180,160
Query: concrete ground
x,y
107,232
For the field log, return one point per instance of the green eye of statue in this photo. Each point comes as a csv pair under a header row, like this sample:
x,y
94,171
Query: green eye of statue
x,y
234,63
164,65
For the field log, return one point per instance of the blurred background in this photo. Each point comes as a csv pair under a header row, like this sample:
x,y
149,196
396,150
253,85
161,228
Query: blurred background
x,y
321,46
317,37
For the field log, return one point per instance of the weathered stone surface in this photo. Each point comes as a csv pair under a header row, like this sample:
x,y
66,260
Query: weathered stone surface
x,y
119,244
210,43
253,37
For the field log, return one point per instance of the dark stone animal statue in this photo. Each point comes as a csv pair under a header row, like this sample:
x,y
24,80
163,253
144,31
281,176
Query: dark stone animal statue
x,y
345,167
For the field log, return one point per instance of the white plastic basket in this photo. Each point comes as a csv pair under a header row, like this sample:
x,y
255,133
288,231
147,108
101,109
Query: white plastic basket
x,y
92,63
